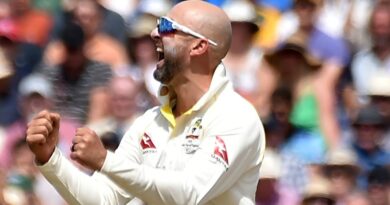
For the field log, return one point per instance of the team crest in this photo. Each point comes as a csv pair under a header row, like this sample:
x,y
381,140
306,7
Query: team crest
x,y
192,142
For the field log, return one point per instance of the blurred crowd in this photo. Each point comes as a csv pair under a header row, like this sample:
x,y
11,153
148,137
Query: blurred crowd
x,y
317,72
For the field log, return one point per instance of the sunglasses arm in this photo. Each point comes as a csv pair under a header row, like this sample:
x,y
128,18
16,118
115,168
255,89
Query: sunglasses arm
x,y
191,32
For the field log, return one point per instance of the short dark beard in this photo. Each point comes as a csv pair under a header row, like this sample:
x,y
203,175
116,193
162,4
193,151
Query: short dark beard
x,y
165,73
171,66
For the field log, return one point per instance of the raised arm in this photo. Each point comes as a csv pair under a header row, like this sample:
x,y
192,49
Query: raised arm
x,y
75,186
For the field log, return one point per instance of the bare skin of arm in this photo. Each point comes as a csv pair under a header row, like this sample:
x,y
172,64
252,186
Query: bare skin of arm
x,y
98,107
268,79
325,93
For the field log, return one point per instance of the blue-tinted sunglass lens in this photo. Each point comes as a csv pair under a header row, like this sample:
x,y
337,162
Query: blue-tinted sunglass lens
x,y
165,26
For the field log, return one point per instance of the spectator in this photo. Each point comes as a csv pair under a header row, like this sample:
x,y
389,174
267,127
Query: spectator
x,y
379,186
20,58
369,128
8,95
123,108
318,193
34,25
143,53
243,60
379,92
341,169
21,175
99,46
374,61
355,29
35,95
334,53
279,128
269,190
113,24
79,82
278,132
298,70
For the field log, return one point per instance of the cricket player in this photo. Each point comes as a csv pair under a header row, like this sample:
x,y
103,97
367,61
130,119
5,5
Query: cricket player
x,y
203,145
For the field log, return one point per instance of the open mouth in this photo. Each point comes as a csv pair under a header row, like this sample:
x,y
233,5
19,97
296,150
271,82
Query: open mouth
x,y
160,53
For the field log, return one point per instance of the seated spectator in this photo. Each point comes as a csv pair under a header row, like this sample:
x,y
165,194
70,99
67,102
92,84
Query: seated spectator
x,y
342,170
379,186
278,131
142,50
34,25
278,127
269,190
375,60
379,93
20,58
318,192
123,109
35,95
99,46
369,129
80,83
297,70
244,59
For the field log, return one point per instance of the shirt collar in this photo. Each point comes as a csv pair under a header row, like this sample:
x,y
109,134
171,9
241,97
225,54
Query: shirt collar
x,y
167,97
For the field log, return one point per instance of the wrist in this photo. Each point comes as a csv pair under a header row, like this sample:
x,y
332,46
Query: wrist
x,y
44,158
102,160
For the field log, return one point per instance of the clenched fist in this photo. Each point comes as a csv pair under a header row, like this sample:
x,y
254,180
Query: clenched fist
x,y
87,149
42,135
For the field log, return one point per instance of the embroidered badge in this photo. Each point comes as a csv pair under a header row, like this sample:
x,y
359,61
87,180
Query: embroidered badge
x,y
220,152
147,143
192,142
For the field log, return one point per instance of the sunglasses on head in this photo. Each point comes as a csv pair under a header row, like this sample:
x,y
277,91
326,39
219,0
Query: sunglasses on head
x,y
166,25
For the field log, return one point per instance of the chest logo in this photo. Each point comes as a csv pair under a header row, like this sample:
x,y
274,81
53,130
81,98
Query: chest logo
x,y
147,143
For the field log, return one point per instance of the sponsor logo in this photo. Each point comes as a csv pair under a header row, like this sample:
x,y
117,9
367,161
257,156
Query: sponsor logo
x,y
220,152
147,144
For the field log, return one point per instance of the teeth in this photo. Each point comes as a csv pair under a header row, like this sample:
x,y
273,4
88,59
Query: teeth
x,y
159,50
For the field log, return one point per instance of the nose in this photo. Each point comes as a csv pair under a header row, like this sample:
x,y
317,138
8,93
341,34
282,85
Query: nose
x,y
155,35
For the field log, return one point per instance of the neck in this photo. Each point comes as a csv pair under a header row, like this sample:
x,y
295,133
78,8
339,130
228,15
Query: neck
x,y
189,90
382,50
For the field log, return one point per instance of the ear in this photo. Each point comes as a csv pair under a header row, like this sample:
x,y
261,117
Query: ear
x,y
199,47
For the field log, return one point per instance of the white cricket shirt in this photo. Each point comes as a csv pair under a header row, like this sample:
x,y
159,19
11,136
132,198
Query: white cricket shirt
x,y
209,155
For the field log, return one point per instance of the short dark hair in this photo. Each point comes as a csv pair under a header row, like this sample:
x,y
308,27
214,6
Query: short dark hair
x,y
72,36
379,175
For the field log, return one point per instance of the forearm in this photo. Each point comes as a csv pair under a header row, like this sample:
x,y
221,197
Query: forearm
x,y
153,186
75,186
328,117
